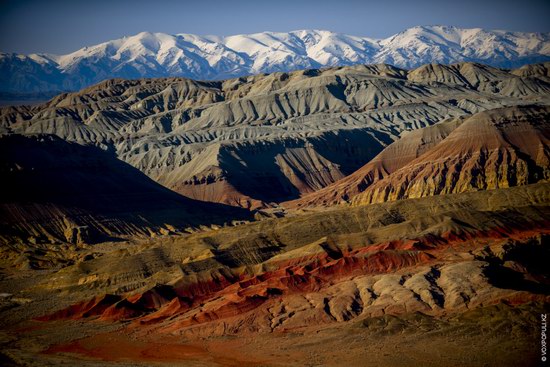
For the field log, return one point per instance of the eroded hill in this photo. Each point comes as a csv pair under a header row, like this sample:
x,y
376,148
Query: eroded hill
x,y
291,133
493,149
118,247
57,194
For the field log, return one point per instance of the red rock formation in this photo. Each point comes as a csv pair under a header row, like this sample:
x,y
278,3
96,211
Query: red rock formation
x,y
94,307
392,158
233,294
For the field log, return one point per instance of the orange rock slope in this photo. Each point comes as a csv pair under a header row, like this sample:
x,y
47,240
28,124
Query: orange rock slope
x,y
494,149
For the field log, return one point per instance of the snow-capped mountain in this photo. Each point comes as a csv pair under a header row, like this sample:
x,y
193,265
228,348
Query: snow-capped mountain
x,y
147,55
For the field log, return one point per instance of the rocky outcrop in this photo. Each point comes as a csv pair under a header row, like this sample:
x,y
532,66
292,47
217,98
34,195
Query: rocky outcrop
x,y
395,156
498,148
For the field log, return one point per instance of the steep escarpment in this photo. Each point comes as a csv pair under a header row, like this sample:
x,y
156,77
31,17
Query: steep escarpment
x,y
275,170
398,154
498,148
310,127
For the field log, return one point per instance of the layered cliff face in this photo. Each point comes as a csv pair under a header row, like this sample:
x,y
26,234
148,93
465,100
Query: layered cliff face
x,y
398,154
494,149
292,133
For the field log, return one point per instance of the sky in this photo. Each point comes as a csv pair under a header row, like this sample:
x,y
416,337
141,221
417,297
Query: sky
x,y
63,26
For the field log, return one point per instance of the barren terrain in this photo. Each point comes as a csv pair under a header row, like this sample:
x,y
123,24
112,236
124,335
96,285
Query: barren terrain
x,y
357,216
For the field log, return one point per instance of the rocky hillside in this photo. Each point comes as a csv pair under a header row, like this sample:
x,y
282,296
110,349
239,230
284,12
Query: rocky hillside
x,y
259,140
56,192
493,149
394,156
446,265
117,246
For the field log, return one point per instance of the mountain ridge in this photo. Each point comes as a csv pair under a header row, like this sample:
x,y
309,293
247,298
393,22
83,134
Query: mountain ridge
x,y
150,54
293,133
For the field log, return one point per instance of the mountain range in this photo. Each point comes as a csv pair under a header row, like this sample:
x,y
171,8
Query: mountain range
x,y
153,55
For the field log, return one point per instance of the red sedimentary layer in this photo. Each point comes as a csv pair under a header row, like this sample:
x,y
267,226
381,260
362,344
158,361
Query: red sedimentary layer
x,y
239,294
117,346
94,307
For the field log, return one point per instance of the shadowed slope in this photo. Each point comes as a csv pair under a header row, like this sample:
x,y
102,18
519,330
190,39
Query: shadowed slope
x,y
393,157
59,191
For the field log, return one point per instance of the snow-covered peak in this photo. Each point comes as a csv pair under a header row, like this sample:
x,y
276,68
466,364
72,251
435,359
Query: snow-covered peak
x,y
425,35
149,54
